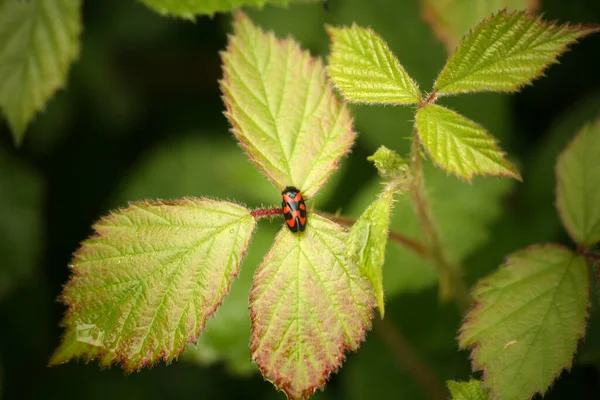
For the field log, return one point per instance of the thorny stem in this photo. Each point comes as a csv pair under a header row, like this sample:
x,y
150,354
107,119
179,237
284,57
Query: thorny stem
x,y
409,360
452,283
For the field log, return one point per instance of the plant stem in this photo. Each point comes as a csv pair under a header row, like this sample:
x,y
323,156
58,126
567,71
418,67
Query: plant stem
x,y
397,237
452,284
409,360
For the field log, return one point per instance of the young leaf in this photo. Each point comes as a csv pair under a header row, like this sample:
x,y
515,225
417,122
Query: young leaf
x,y
464,214
472,390
452,19
282,109
365,70
578,186
190,9
307,306
388,163
368,239
527,320
459,145
506,52
144,285
39,40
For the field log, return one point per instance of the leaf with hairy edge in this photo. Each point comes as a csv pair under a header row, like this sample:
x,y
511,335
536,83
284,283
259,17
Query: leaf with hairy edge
x,y
506,52
578,186
459,145
190,9
472,390
307,306
282,109
452,19
368,239
144,285
365,70
537,301
39,40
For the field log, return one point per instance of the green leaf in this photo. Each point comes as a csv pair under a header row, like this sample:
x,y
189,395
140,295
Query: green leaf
x,y
39,40
307,305
463,212
459,145
190,9
282,109
365,70
452,19
368,239
227,333
472,390
578,186
506,52
388,163
21,219
144,285
527,320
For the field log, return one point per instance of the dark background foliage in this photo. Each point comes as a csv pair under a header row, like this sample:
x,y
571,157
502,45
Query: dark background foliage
x,y
144,95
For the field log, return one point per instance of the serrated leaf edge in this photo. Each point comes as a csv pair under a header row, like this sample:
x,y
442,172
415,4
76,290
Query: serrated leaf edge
x,y
561,212
585,29
476,366
509,166
165,356
343,347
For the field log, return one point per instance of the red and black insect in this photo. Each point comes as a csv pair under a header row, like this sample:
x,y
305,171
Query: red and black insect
x,y
294,209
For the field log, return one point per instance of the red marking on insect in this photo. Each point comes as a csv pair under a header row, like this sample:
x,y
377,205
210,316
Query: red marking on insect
x,y
293,209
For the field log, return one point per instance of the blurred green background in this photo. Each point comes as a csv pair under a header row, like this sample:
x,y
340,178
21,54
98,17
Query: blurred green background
x,y
141,117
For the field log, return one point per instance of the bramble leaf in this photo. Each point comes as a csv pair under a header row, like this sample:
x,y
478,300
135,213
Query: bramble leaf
x,y
39,40
144,285
308,305
472,390
506,52
464,214
190,9
452,19
537,301
282,109
388,163
578,186
368,239
365,70
459,145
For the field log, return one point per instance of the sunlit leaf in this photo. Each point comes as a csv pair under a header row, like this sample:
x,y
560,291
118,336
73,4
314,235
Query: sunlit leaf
x,y
506,52
578,186
189,9
365,70
21,219
227,334
527,320
452,19
282,109
308,305
472,390
463,212
39,40
144,285
459,145
368,239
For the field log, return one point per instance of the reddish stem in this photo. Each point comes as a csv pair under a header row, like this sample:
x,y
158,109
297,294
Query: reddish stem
x,y
266,212
399,238
430,99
